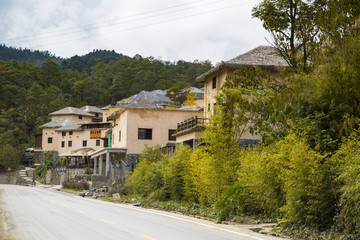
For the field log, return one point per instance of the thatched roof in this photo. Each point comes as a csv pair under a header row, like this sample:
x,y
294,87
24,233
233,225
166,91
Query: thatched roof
x,y
71,111
262,56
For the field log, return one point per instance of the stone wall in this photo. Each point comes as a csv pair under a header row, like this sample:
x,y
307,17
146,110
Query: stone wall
x,y
8,179
52,177
99,181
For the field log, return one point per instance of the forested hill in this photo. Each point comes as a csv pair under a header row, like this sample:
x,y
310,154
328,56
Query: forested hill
x,y
29,92
78,63
87,61
21,55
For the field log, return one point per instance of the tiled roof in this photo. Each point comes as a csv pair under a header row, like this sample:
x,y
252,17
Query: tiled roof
x,y
58,123
71,111
154,100
74,126
91,109
262,56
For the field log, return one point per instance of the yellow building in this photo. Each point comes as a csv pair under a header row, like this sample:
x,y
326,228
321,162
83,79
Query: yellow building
x,y
264,57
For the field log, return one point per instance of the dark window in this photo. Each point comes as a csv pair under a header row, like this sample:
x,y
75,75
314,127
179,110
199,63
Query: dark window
x,y
80,117
96,115
70,143
98,142
119,136
50,140
171,137
62,144
209,107
214,82
63,134
144,133
84,143
70,133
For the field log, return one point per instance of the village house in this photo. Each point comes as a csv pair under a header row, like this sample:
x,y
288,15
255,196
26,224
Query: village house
x,y
265,57
144,119
73,133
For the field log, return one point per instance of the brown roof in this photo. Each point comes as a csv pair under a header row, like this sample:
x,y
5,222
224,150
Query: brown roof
x,y
71,111
262,56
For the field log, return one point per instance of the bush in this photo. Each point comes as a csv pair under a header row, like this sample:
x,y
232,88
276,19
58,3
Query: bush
x,y
347,163
76,185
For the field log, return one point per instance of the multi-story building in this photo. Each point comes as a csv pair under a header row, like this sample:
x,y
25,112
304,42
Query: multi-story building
x,y
145,119
264,57
73,133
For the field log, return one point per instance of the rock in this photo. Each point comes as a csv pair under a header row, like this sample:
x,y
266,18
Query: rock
x,y
82,194
116,196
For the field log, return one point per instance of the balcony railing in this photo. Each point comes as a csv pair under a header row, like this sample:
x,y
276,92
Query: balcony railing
x,y
191,123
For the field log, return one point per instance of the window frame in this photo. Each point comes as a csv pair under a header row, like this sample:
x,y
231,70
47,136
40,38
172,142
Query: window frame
x,y
214,82
170,135
84,143
50,140
145,133
69,143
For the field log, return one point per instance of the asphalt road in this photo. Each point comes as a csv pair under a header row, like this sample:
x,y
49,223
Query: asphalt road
x,y
37,213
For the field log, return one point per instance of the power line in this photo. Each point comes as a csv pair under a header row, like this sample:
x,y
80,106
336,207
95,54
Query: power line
x,y
113,22
148,25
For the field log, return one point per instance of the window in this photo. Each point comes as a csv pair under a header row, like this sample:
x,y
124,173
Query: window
x,y
119,136
63,134
80,117
97,142
50,140
70,133
144,133
70,144
63,144
214,82
171,137
84,143
96,115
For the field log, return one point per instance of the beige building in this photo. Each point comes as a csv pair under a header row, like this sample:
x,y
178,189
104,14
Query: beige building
x,y
73,132
264,57
145,119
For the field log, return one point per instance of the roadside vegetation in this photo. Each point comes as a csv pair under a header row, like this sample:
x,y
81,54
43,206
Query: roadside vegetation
x,y
304,174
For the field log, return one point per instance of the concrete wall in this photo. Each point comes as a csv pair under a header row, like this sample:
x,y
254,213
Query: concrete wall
x,y
50,133
160,121
73,117
77,139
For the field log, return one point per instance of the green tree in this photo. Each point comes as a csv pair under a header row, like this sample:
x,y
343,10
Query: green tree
x,y
294,28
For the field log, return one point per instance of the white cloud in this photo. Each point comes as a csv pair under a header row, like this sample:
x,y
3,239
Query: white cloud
x,y
188,30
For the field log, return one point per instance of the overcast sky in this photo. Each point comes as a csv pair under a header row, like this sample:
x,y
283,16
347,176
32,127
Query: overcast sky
x,y
170,30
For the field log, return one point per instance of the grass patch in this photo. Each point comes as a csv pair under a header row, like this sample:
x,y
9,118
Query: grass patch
x,y
72,189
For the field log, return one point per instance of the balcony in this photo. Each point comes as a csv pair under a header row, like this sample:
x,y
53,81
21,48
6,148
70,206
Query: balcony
x,y
192,124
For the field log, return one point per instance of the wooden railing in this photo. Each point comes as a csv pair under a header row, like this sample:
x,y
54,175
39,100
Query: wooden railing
x,y
191,123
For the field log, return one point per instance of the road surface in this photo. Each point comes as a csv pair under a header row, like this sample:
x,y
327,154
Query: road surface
x,y
38,213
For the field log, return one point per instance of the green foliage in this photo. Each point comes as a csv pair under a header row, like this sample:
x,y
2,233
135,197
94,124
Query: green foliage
x,y
347,164
177,169
294,27
10,157
148,177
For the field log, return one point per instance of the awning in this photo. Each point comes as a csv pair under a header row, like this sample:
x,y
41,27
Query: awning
x,y
81,152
